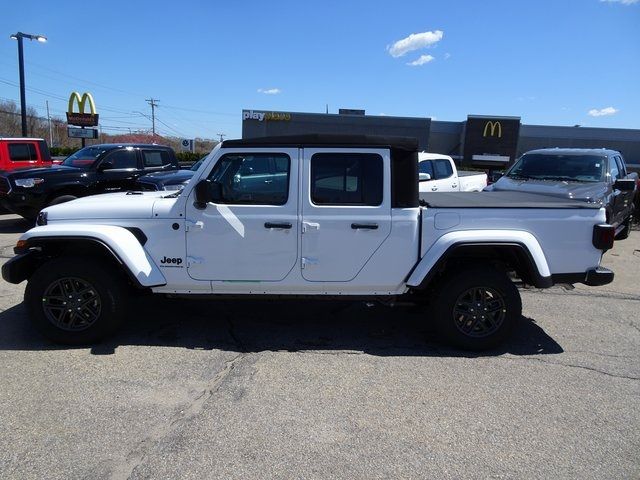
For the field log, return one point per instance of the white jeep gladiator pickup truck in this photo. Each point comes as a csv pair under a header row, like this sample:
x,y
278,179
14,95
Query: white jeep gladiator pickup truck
x,y
307,216
438,173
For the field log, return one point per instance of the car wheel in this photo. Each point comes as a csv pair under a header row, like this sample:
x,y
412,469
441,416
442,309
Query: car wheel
x,y
61,199
476,309
74,301
626,230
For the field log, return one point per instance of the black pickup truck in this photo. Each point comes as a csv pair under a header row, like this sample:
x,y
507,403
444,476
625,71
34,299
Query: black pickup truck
x,y
594,175
91,170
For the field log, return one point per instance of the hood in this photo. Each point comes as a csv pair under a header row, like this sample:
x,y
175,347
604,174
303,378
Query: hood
x,y
121,205
42,171
167,178
589,192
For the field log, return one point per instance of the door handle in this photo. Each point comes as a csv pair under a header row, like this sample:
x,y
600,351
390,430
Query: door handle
x,y
277,225
433,189
364,226
454,186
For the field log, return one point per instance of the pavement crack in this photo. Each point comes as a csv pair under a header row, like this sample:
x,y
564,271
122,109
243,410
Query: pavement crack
x,y
571,365
192,409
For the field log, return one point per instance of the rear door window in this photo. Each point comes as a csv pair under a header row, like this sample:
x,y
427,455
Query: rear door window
x,y
346,179
22,152
155,158
426,167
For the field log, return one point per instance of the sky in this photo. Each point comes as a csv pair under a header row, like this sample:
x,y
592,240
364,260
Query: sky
x,y
556,62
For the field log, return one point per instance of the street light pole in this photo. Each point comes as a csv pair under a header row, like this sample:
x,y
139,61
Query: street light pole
x,y
23,101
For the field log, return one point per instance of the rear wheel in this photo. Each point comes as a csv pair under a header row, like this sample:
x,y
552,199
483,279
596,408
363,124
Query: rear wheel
x,y
477,309
76,300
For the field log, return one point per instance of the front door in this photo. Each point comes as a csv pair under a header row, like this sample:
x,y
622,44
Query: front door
x,y
252,233
346,211
121,174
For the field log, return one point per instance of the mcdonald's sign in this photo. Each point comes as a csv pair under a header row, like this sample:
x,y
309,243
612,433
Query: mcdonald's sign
x,y
80,118
492,128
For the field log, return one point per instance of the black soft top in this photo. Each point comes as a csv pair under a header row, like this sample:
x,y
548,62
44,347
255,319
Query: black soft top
x,y
503,199
404,156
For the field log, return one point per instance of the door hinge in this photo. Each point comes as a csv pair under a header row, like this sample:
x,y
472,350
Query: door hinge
x,y
191,225
308,261
194,261
306,226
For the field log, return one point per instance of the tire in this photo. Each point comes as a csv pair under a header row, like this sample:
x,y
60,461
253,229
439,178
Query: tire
x,y
624,234
462,293
95,289
61,199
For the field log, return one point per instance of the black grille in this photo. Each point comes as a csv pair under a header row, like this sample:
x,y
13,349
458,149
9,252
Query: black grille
x,y
5,186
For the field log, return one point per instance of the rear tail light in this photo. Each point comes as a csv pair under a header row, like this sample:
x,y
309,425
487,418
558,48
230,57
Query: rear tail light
x,y
603,236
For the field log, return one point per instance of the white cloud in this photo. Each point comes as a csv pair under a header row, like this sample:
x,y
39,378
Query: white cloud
x,y
269,91
623,2
603,112
447,56
415,41
421,60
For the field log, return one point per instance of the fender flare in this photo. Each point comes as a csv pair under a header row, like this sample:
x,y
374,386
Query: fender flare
x,y
123,244
448,244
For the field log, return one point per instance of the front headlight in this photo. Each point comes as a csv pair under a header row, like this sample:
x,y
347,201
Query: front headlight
x,y
28,182
176,186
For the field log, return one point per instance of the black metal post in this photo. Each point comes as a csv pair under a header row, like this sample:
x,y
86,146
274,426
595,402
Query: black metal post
x,y
23,100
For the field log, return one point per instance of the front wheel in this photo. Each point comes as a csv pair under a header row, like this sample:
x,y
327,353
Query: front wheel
x,y
76,301
624,234
477,309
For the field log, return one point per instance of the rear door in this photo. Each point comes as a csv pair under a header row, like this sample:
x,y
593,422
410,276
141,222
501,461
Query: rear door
x,y
21,154
346,211
445,181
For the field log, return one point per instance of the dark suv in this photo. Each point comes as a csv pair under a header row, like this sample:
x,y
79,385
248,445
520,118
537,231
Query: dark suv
x,y
92,170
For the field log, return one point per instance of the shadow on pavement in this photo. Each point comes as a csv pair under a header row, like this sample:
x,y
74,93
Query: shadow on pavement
x,y
14,224
254,326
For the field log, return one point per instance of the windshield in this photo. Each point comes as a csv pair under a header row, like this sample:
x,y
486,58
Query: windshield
x,y
84,158
570,168
196,165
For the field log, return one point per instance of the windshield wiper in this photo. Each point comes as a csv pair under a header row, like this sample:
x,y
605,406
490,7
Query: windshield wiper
x,y
519,175
560,178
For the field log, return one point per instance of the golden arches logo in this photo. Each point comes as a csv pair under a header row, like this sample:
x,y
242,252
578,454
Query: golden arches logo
x,y
492,128
81,118
81,101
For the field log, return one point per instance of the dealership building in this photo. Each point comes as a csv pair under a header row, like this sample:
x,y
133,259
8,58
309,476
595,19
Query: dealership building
x,y
482,141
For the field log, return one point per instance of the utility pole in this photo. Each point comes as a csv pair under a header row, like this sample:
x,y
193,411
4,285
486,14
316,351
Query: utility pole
x,y
222,135
154,103
50,131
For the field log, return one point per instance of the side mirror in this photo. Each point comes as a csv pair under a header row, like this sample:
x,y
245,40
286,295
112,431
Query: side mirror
x,y
625,184
423,177
106,165
207,191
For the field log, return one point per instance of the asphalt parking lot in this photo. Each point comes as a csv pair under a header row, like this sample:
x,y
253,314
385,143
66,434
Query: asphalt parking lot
x,y
207,389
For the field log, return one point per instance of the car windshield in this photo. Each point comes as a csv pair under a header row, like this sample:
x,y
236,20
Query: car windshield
x,y
196,165
550,166
84,158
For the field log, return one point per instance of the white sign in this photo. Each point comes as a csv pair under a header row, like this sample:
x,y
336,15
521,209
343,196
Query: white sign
x,y
186,144
73,132
251,115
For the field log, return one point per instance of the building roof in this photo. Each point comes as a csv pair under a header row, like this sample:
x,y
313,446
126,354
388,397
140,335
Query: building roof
x,y
575,151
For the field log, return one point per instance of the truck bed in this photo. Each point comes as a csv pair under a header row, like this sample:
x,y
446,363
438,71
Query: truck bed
x,y
499,200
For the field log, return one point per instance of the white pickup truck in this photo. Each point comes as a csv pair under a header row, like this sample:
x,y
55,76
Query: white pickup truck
x,y
333,217
438,173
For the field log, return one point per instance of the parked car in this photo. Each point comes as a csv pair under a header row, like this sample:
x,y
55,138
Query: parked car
x,y
438,173
89,171
594,175
172,180
18,153
316,216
